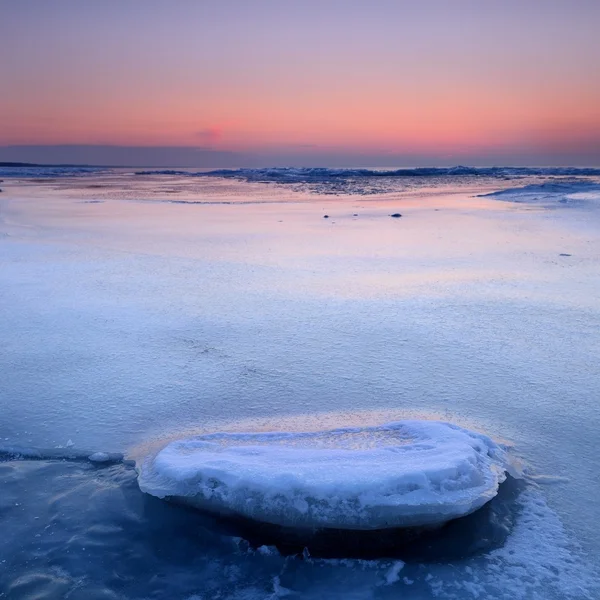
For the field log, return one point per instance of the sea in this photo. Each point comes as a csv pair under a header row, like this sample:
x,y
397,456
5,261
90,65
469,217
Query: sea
x,y
144,306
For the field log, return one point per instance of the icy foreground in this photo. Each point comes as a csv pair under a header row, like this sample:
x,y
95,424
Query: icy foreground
x,y
402,474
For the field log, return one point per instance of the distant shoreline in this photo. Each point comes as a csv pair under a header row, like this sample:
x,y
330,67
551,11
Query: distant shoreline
x,y
16,165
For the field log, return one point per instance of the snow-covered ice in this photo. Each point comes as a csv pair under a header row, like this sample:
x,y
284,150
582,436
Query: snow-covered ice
x,y
412,473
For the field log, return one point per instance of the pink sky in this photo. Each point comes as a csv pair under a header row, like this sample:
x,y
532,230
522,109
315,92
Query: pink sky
x,y
429,78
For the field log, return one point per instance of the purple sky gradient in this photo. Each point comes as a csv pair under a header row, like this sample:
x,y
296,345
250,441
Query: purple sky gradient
x,y
313,82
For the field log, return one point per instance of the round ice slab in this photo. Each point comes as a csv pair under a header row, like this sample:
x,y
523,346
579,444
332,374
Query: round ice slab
x,y
402,474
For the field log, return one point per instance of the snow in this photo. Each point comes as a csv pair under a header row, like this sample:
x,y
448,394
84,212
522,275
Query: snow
x,y
402,474
393,575
99,457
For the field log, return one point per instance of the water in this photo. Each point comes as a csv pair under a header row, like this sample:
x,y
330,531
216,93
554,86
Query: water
x,y
141,309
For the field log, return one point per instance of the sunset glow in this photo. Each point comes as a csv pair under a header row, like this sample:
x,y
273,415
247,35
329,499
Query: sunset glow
x,y
439,80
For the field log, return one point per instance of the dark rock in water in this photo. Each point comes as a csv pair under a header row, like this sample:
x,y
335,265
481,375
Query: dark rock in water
x,y
396,215
355,215
564,254
326,216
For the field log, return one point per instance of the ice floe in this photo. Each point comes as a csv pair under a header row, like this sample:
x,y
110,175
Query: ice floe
x,y
402,474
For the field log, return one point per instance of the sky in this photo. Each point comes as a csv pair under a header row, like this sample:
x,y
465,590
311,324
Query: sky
x,y
314,82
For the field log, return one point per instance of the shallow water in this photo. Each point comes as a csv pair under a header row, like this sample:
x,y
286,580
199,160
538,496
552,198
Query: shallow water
x,y
130,320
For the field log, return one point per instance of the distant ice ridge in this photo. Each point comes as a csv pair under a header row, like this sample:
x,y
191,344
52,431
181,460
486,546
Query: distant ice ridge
x,y
320,174
402,474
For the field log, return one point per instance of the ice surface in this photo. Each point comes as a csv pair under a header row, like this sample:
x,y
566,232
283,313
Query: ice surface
x,y
465,313
552,192
402,474
10,452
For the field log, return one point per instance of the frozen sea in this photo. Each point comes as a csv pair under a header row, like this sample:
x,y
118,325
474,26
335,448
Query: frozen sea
x,y
139,309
